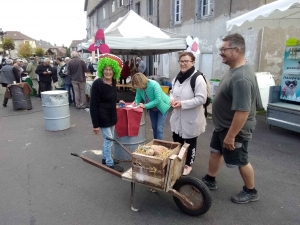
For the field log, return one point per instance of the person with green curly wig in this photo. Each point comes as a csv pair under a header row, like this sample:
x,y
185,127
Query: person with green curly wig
x,y
103,101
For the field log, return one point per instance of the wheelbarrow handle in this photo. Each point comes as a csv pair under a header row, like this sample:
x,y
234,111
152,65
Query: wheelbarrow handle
x,y
111,139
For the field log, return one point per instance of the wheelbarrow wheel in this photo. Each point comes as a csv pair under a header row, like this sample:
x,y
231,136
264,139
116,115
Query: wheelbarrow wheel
x,y
196,192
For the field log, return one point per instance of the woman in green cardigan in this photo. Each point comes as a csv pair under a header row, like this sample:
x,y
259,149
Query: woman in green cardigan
x,y
155,100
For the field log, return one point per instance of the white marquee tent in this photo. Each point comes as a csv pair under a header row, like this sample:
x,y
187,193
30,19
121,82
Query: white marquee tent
x,y
133,35
281,13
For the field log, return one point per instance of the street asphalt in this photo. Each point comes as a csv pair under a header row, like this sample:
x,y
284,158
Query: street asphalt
x,y
42,184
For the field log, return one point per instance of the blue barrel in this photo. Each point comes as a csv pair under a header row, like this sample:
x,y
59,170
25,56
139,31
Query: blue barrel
x,y
131,143
56,110
19,100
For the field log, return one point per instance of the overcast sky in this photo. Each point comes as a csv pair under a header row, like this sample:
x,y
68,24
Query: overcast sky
x,y
56,21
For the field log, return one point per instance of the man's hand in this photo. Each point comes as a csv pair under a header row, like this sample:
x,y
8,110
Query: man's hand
x,y
228,142
45,72
142,105
96,130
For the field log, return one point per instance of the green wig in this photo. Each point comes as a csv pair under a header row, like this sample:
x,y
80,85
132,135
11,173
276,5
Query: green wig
x,y
109,61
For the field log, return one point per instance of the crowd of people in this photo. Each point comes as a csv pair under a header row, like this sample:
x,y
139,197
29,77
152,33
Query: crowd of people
x,y
46,75
233,107
233,112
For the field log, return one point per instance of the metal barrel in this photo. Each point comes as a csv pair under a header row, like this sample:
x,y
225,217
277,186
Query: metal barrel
x,y
131,143
56,110
19,100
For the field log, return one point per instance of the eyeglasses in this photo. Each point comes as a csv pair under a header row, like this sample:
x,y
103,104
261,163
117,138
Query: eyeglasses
x,y
184,61
224,49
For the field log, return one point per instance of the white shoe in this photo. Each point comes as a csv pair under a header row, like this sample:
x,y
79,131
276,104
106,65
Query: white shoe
x,y
187,169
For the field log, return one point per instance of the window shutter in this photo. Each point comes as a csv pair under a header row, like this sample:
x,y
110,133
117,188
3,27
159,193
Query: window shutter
x,y
212,3
198,14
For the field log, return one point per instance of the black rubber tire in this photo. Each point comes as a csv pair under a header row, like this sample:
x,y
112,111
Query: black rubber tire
x,y
198,186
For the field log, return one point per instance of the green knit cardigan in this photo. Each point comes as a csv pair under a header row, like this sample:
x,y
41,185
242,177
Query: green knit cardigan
x,y
157,98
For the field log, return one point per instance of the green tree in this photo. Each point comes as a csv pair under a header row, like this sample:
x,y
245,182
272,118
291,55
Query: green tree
x,y
39,51
68,54
8,44
25,50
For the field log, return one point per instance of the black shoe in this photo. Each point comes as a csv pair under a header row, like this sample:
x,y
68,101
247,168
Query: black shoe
x,y
245,196
117,168
115,161
211,185
4,105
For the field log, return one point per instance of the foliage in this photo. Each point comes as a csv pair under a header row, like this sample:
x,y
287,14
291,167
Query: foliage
x,y
39,51
68,54
25,50
8,44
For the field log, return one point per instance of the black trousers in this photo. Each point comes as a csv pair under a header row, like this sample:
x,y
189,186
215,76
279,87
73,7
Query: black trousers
x,y
45,86
5,99
190,158
39,91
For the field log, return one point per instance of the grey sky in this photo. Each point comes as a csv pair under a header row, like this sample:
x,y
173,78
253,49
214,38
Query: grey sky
x,y
56,21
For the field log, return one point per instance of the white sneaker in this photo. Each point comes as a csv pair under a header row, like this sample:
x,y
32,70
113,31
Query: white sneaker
x,y
187,169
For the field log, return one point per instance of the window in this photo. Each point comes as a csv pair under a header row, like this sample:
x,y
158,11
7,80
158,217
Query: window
x,y
150,7
177,12
118,3
113,6
204,9
121,2
138,8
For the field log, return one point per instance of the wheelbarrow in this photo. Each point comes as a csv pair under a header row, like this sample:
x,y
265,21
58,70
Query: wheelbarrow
x,y
190,194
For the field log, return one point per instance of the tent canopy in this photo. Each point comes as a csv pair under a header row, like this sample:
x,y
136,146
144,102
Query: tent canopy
x,y
132,35
281,13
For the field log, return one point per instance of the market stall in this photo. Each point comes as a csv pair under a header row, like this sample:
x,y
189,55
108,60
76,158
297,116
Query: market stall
x,y
283,109
133,35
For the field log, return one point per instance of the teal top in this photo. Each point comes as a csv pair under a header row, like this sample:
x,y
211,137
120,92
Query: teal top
x,y
157,98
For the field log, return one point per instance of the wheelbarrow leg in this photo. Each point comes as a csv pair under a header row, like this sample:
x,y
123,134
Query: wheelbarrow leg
x,y
132,197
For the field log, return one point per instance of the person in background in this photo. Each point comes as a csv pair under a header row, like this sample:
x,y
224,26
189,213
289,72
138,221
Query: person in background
x,y
234,109
90,67
67,81
155,100
18,65
9,74
44,71
188,120
132,64
125,73
103,104
24,73
54,74
60,85
142,65
31,67
76,70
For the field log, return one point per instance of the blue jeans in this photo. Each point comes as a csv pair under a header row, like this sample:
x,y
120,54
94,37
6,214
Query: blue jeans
x,y
158,122
107,144
68,88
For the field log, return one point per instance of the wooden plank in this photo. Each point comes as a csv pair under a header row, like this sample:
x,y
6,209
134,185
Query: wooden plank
x,y
127,175
181,153
175,168
149,171
144,160
147,180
